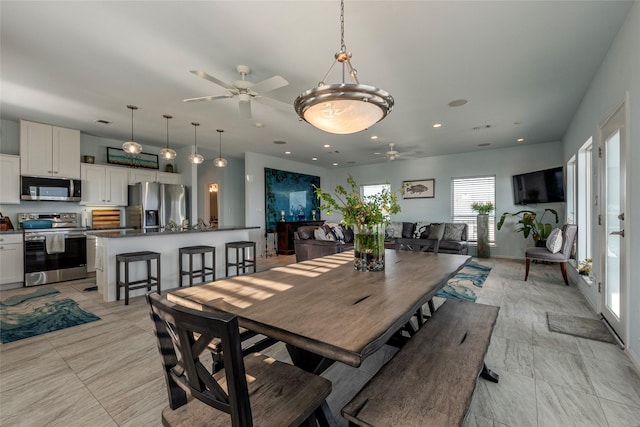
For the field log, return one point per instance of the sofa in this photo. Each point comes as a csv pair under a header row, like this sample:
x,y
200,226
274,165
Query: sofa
x,y
312,241
448,237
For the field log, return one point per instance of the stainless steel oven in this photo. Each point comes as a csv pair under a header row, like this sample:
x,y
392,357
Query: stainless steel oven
x,y
56,253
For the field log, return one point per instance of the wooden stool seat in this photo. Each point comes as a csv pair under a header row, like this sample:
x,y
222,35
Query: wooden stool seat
x,y
128,285
240,262
204,271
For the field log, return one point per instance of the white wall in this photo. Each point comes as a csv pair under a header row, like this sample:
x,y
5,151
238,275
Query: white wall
x,y
618,74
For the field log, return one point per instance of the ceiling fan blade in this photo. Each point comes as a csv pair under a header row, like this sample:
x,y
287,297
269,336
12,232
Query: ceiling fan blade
x,y
212,79
207,98
245,109
269,84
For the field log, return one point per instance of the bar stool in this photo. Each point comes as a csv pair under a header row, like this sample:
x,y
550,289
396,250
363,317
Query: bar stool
x,y
243,263
130,257
204,271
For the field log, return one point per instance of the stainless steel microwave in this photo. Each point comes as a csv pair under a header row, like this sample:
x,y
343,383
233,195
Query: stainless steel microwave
x,y
54,189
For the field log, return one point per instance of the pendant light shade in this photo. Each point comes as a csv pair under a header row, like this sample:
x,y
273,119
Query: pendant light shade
x,y
343,108
167,153
196,158
220,162
132,147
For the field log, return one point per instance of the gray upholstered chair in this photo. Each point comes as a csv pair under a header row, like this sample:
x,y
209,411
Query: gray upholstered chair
x,y
543,254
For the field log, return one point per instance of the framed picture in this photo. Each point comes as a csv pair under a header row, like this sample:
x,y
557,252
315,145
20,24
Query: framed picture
x,y
117,156
419,189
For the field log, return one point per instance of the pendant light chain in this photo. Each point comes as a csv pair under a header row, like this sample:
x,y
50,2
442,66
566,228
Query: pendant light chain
x,y
343,47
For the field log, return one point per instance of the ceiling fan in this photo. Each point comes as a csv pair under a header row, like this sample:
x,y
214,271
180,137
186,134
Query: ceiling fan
x,y
392,153
242,89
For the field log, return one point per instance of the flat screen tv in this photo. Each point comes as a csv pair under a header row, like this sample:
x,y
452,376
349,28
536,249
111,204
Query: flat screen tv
x,y
545,186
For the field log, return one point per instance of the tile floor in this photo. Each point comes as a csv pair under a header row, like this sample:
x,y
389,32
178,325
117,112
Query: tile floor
x,y
108,373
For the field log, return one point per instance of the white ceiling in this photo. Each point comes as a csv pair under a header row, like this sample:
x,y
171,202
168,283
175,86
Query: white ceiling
x,y
72,63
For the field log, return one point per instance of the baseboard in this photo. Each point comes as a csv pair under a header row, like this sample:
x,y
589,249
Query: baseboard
x,y
635,358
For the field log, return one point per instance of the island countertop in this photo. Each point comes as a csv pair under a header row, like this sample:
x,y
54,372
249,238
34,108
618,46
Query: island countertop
x,y
148,233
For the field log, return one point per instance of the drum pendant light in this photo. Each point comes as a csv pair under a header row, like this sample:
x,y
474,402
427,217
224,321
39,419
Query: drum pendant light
x,y
196,158
167,153
132,147
220,162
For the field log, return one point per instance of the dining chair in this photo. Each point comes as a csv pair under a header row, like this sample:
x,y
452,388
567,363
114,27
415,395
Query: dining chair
x,y
543,254
251,390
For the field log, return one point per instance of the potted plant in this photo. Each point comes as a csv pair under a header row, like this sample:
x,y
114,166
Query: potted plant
x,y
531,224
482,224
368,217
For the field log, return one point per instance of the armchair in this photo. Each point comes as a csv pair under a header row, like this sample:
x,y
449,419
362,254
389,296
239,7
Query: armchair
x,y
543,254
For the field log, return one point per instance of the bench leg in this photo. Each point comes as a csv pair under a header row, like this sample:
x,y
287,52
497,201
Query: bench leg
x,y
324,416
488,374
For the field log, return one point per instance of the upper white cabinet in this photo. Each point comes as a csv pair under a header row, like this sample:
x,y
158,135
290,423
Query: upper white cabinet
x,y
169,178
103,185
10,178
141,175
47,150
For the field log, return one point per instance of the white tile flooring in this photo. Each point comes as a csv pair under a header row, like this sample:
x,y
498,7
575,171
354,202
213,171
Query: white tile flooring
x,y
108,373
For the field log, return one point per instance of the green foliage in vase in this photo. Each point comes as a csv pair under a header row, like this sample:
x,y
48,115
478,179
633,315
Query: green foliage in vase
x,y
482,207
531,224
357,210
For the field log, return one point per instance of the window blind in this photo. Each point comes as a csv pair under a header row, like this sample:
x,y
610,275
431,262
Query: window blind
x,y
465,191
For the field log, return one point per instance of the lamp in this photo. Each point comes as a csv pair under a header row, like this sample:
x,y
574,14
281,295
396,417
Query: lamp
x,y
220,162
167,153
343,108
132,147
195,158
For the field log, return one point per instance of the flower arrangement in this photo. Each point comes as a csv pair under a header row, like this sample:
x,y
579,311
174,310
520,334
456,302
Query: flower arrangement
x,y
482,208
584,267
357,210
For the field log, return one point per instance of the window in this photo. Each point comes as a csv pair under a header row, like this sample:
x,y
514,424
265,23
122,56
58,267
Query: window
x,y
571,190
465,191
372,190
585,197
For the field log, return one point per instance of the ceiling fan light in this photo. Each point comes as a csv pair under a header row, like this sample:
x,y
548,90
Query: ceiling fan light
x,y
196,158
168,154
220,162
132,147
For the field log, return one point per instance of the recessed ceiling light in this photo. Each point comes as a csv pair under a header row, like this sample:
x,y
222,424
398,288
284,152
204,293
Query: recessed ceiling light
x,y
259,125
314,158
279,142
326,145
103,122
517,122
437,125
458,103
520,140
335,164
374,136
485,144
287,152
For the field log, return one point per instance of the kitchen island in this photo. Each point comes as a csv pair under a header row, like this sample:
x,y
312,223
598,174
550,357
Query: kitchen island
x,y
167,243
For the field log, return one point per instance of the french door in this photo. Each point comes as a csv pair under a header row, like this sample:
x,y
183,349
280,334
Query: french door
x,y
613,251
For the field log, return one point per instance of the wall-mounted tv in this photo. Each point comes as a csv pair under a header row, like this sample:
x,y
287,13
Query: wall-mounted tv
x,y
545,186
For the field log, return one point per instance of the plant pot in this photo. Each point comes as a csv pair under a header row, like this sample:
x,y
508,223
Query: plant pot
x,y
484,250
541,244
368,247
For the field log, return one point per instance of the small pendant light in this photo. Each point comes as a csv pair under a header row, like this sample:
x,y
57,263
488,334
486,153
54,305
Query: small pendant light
x,y
196,158
220,162
167,153
132,147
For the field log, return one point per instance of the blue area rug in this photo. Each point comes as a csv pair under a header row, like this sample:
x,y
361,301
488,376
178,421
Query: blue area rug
x,y
465,285
39,312
90,289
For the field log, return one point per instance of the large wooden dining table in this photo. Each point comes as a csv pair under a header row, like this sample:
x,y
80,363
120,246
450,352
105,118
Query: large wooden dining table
x,y
325,310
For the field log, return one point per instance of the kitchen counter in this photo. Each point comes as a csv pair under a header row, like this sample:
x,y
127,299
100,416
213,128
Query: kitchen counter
x,y
115,233
11,232
167,243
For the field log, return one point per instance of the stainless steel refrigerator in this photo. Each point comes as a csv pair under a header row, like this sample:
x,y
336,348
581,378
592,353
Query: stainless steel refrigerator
x,y
152,205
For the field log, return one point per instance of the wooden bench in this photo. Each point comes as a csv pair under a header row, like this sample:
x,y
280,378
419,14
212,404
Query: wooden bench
x,y
431,380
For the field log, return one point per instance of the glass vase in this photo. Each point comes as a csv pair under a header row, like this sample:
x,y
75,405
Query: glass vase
x,y
368,247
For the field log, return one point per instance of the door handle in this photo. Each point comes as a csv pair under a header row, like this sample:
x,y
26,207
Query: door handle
x,y
617,233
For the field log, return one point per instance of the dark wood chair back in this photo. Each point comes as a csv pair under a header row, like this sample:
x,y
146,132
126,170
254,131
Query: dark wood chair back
x,y
190,332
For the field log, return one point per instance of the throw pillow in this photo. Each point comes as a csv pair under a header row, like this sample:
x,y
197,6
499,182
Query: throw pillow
x,y
423,232
328,232
348,235
436,231
305,233
395,229
420,226
554,241
319,234
453,232
407,229
337,230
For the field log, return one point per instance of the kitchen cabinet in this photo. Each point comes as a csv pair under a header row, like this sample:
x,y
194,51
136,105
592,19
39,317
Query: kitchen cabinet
x,y
91,253
47,150
11,258
103,185
141,175
10,178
